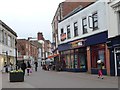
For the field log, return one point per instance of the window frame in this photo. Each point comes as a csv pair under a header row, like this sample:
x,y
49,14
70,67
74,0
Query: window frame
x,y
62,30
75,29
68,32
84,25
95,21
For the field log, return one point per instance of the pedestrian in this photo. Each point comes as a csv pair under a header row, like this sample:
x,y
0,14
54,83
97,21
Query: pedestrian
x,y
100,67
23,66
36,65
28,68
6,67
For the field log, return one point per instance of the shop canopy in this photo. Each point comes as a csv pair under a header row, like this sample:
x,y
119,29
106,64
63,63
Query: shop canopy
x,y
52,56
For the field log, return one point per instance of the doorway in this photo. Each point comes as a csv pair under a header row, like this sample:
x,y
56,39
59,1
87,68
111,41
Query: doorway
x,y
118,63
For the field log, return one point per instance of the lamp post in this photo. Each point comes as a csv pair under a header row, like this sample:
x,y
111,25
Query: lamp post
x,y
16,53
16,58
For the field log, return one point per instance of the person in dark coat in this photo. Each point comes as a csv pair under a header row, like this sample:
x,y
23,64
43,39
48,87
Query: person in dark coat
x,y
36,65
6,67
28,68
23,66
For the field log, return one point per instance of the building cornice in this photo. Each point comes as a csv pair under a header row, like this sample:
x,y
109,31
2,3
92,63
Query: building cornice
x,y
8,28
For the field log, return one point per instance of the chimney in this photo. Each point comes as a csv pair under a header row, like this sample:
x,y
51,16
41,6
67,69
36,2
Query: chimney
x,y
40,36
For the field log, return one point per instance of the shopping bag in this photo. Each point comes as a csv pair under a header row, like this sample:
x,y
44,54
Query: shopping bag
x,y
30,70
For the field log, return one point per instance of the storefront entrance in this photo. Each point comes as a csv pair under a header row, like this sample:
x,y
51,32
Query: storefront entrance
x,y
118,63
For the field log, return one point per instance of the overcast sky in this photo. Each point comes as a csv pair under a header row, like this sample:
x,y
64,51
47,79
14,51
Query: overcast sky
x,y
27,17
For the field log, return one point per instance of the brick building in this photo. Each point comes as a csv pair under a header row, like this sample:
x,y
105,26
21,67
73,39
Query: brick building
x,y
27,50
46,45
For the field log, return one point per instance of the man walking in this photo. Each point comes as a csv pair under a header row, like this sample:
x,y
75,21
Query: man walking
x,y
36,65
23,66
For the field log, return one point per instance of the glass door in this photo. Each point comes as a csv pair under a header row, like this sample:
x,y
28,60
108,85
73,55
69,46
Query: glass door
x,y
118,63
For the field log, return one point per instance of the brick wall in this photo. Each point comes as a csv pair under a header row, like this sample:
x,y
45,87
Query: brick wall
x,y
67,7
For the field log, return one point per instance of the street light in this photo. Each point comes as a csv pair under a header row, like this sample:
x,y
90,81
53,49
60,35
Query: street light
x,y
16,58
16,53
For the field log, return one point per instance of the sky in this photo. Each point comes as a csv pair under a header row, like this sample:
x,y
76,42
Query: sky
x,y
27,17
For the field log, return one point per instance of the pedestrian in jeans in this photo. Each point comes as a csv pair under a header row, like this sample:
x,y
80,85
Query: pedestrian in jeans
x,y
100,67
28,68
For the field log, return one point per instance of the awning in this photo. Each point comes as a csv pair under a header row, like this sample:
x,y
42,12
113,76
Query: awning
x,y
51,56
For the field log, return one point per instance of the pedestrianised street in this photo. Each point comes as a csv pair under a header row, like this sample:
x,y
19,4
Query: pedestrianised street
x,y
53,79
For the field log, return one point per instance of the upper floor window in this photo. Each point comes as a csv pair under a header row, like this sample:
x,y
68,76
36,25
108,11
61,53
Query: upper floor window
x,y
68,32
3,36
62,35
9,41
84,25
75,29
95,21
5,39
62,31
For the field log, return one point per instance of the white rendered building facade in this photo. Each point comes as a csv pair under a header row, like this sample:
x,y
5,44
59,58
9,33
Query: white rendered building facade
x,y
7,45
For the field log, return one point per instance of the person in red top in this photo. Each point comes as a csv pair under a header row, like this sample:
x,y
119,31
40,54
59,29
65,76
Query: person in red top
x,y
100,65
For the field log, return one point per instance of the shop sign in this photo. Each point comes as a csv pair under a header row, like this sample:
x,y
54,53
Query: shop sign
x,y
77,43
63,36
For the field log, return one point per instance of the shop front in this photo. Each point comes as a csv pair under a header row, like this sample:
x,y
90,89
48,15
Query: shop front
x,y
114,48
74,54
97,50
83,54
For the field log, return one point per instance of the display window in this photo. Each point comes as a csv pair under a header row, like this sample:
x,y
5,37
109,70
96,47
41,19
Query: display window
x,y
98,53
82,58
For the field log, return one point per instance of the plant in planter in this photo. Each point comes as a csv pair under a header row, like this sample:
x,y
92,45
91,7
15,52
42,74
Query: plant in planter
x,y
16,76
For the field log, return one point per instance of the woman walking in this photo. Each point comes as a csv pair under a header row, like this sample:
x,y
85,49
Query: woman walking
x,y
100,65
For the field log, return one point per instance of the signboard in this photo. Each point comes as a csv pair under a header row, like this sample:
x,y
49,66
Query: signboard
x,y
63,36
77,43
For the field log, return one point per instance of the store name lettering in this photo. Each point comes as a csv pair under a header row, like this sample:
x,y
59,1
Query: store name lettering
x,y
76,44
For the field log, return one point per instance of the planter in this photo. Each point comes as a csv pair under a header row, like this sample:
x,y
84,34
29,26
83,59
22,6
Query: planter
x,y
16,77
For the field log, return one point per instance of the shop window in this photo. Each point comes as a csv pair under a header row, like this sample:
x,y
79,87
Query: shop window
x,y
75,29
98,52
84,25
76,60
72,60
82,58
95,20
68,61
68,32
